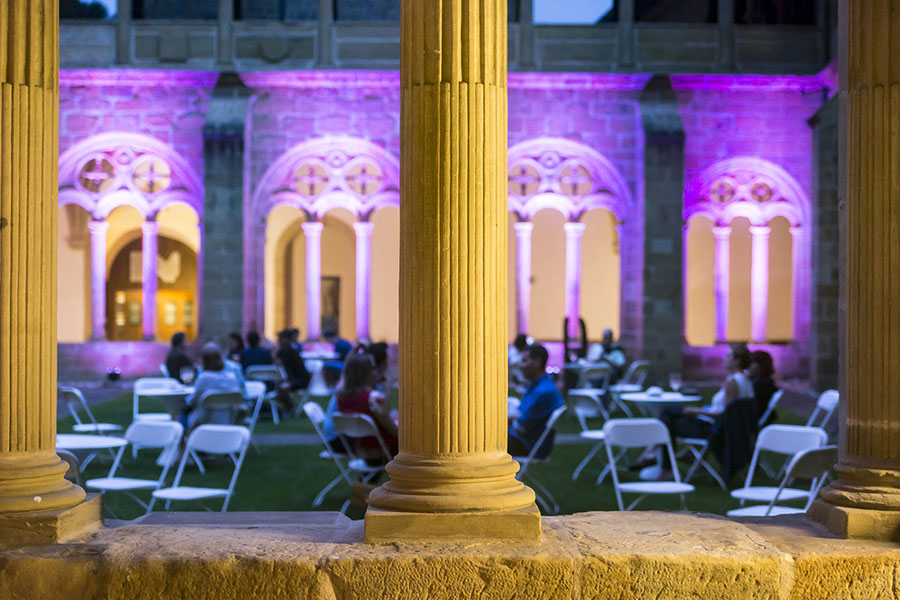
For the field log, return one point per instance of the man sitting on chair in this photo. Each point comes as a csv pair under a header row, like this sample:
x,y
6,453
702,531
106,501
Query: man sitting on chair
x,y
540,400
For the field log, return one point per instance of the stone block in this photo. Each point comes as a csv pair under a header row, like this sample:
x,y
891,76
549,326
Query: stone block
x,y
383,526
80,123
51,527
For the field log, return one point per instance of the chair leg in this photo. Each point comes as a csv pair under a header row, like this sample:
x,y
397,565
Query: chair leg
x,y
635,503
545,493
199,462
274,407
586,460
318,500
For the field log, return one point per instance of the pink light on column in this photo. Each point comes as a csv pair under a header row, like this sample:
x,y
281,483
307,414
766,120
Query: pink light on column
x,y
722,274
363,276
149,246
759,281
800,257
312,232
198,296
98,279
574,231
523,274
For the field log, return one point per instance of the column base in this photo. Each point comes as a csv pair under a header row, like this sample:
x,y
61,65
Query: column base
x,y
385,526
53,526
856,523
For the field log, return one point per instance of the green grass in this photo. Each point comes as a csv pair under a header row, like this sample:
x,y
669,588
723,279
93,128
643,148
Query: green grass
x,y
288,477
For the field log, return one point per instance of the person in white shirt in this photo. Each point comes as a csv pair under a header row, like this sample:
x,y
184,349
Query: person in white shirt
x,y
607,351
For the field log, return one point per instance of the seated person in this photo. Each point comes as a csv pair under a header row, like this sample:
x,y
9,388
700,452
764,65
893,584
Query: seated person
x,y
335,444
540,400
253,354
235,344
356,395
213,378
607,351
331,370
379,352
294,367
295,340
515,355
176,359
761,370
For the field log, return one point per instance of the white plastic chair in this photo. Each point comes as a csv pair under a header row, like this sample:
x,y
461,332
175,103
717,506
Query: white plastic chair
x,y
590,372
541,493
222,408
825,406
814,465
355,426
780,439
154,387
588,404
317,416
165,435
641,433
227,440
74,400
632,381
773,402
273,374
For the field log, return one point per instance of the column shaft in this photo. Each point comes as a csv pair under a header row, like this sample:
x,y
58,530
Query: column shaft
x,y
312,233
453,280
98,279
722,275
801,270
123,31
31,474
523,275
759,282
149,245
363,276
574,231
865,499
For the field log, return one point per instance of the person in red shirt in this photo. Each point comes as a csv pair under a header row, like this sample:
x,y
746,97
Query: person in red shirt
x,y
356,395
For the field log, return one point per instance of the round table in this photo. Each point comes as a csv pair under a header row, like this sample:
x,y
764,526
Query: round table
x,y
655,402
74,442
173,398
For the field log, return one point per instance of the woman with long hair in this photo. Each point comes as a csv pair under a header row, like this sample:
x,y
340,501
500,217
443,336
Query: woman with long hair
x,y
356,395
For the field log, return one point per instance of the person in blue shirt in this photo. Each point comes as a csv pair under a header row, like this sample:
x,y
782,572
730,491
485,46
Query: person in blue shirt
x,y
540,400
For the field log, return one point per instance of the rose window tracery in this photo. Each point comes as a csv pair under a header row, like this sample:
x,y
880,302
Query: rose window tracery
x,y
152,175
524,180
575,180
97,175
310,179
364,178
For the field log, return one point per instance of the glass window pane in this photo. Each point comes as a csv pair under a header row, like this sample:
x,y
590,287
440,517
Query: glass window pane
x,y
87,9
775,12
277,10
367,10
686,11
175,9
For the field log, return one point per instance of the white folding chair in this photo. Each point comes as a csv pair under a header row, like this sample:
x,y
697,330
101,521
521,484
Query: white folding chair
x,y
73,473
273,374
591,372
256,395
781,439
588,404
164,370
317,416
355,426
154,387
773,402
632,381
221,408
814,465
825,406
541,493
165,435
641,433
74,400
227,440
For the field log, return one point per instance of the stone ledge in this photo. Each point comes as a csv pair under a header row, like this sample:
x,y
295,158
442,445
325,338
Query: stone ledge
x,y
321,555
51,527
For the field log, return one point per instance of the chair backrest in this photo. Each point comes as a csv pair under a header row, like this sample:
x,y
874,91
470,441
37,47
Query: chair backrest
x,y
635,433
74,400
639,371
586,404
154,434
813,463
221,407
355,426
273,373
315,414
790,439
548,427
770,408
825,406
594,372
218,439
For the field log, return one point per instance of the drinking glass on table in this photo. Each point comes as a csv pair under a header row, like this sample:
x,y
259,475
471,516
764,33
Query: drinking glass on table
x,y
187,375
675,381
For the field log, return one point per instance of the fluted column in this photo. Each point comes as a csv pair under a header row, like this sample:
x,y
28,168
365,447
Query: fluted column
x,y
759,281
363,276
98,279
523,275
312,233
864,501
453,476
574,231
722,275
149,246
31,474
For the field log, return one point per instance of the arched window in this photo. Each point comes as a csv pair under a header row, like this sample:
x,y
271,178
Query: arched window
x,y
747,254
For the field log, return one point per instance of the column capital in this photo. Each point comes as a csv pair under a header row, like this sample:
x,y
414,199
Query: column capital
x,y
312,228
150,227
363,228
760,230
798,231
722,232
523,228
98,227
574,229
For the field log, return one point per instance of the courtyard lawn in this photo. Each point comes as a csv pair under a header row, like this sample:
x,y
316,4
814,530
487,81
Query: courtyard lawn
x,y
286,477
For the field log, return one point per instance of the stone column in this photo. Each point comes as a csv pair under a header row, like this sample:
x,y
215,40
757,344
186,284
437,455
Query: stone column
x,y
722,275
98,279
574,231
312,232
150,230
363,276
523,275
224,33
123,32
37,505
801,275
759,281
326,22
453,476
864,502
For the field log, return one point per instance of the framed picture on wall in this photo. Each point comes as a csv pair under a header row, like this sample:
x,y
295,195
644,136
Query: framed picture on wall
x,y
331,303
134,313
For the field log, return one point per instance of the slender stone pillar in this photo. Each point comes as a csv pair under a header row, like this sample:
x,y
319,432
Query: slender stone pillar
x,y
123,31
523,275
453,476
98,279
574,231
363,231
722,275
37,505
864,502
801,269
759,281
312,232
149,245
